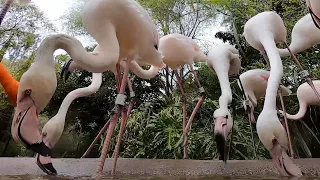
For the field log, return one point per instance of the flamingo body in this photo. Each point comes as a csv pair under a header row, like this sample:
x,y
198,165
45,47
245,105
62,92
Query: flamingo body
x,y
179,50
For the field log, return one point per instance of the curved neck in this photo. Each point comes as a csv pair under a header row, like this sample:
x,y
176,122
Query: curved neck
x,y
80,92
88,61
302,111
276,73
144,74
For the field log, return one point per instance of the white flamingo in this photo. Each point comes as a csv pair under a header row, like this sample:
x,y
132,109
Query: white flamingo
x,y
303,36
306,97
127,36
224,61
179,50
53,129
254,83
262,32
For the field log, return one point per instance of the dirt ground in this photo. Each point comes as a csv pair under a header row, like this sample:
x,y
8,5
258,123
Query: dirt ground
x,y
87,166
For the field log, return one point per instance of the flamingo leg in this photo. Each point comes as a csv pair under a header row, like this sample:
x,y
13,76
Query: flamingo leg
x,y
304,73
118,83
286,123
184,106
265,57
125,116
4,9
249,112
195,110
119,108
96,139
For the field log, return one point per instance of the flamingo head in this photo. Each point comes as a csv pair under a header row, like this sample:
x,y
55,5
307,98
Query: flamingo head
x,y
222,127
36,88
274,137
51,133
68,68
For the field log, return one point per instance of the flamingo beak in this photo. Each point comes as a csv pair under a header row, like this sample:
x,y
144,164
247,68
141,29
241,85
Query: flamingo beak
x,y
65,73
25,127
283,162
220,134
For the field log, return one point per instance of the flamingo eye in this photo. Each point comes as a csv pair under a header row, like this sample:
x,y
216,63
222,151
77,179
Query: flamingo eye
x,y
27,92
227,116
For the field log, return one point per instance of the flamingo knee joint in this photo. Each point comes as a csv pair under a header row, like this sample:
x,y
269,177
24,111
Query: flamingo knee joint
x,y
121,99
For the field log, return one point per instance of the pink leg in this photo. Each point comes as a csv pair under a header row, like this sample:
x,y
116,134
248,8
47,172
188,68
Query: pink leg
x,y
252,119
105,148
265,57
286,123
195,110
96,139
309,81
184,107
125,116
118,77
112,124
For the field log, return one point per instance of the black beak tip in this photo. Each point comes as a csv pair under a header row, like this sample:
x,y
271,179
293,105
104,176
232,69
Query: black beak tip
x,y
220,141
65,73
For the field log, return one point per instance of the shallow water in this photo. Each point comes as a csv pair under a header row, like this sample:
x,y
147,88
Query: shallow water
x,y
214,177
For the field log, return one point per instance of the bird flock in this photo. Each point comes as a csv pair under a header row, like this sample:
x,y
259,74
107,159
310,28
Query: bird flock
x,y
129,40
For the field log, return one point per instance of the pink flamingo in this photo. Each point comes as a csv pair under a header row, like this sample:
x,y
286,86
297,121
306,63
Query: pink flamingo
x,y
134,39
254,83
179,50
262,32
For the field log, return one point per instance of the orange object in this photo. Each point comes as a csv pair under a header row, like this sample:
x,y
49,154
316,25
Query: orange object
x,y
9,84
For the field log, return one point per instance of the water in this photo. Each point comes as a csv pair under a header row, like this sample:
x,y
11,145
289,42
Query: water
x,y
207,177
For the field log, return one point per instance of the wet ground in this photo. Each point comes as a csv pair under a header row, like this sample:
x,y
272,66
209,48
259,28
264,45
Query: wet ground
x,y
212,177
153,169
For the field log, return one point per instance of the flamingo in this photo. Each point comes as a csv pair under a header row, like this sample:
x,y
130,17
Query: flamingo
x,y
53,129
126,36
254,83
303,36
179,50
262,32
306,97
224,61
7,5
314,10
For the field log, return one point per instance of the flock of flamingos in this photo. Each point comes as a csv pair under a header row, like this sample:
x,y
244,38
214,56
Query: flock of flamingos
x,y
128,39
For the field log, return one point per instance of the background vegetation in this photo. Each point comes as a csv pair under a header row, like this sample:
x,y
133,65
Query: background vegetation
x,y
155,125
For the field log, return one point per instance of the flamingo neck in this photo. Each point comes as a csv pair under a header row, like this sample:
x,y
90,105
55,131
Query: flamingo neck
x,y
226,94
144,74
80,92
276,73
302,111
96,63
